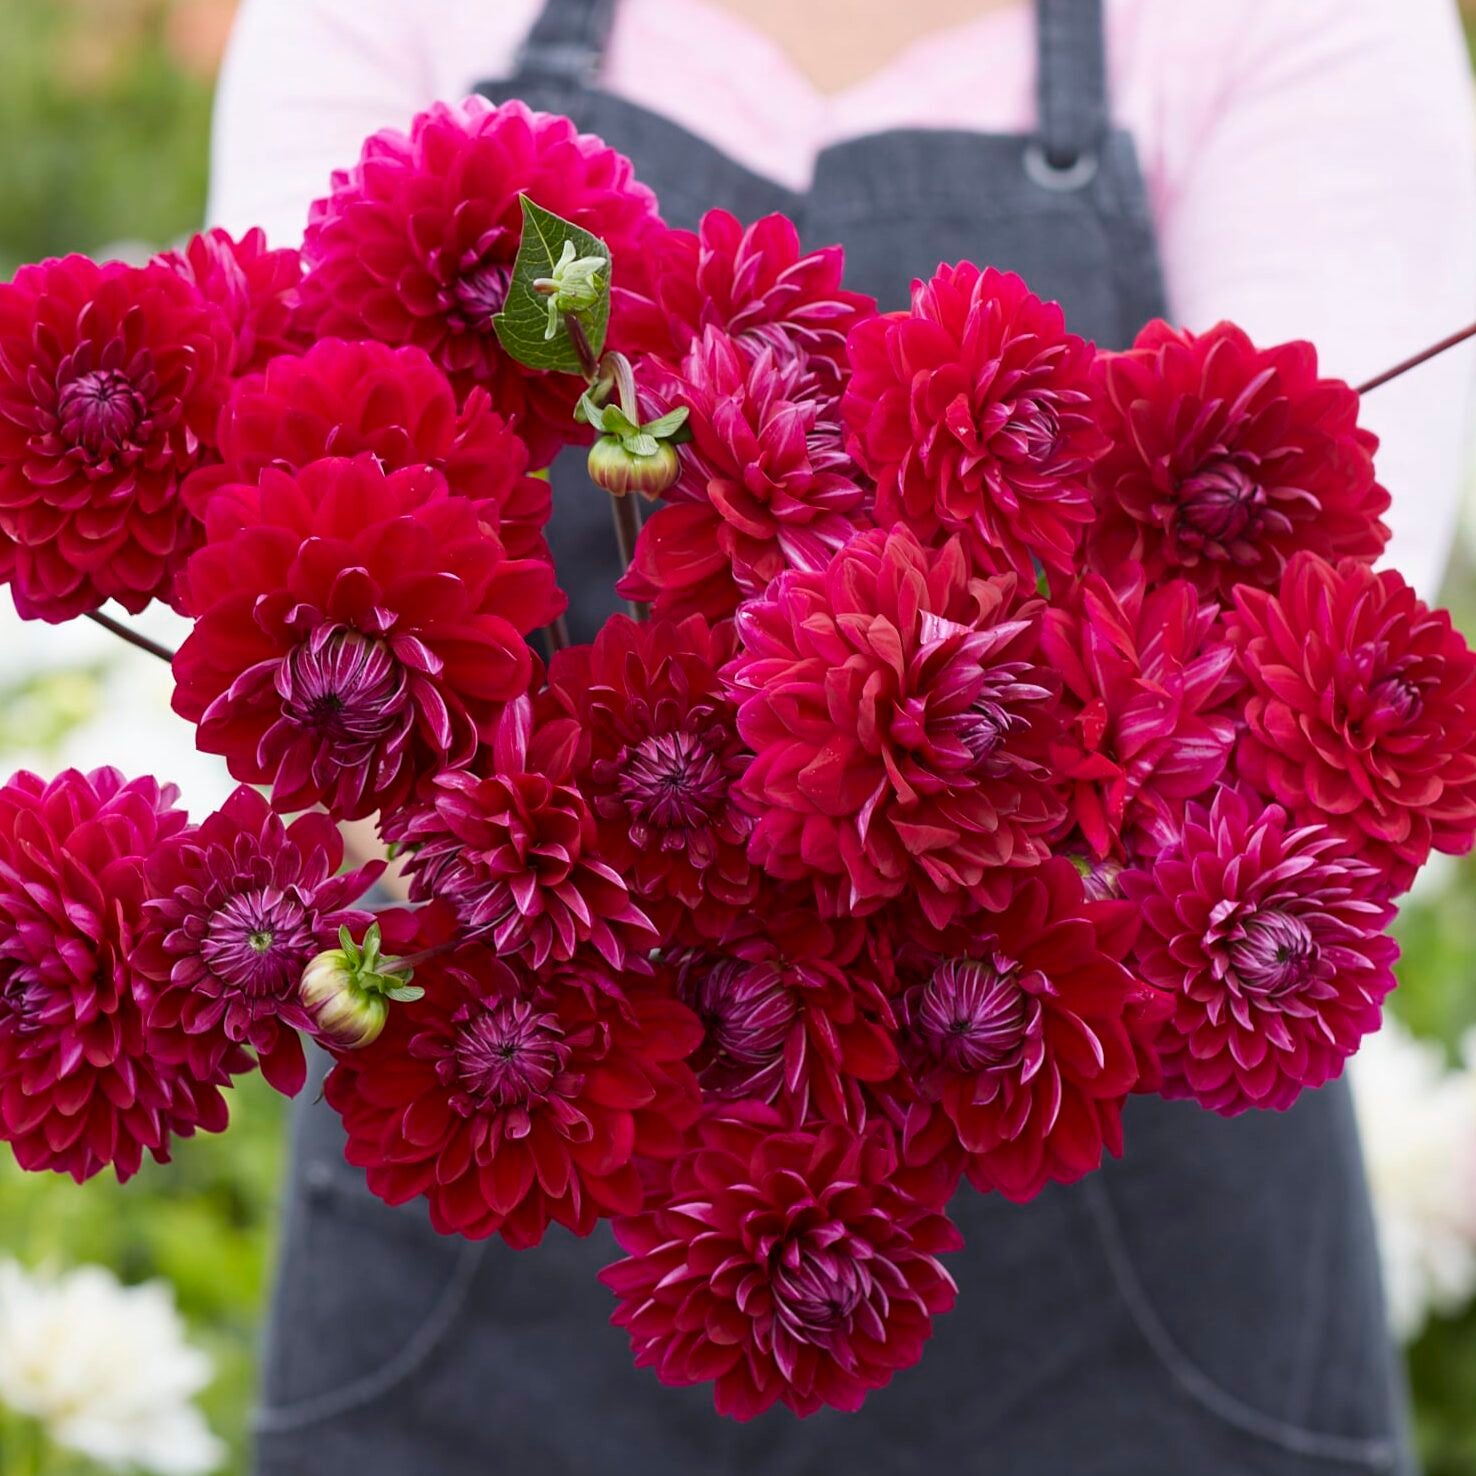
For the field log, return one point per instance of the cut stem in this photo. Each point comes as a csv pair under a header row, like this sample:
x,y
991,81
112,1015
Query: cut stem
x,y
1415,360
133,637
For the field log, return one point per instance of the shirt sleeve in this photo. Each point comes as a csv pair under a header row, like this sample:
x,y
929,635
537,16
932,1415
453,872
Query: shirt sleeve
x,y
1323,186
303,83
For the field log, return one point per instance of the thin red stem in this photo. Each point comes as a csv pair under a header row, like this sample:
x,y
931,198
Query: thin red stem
x,y
133,637
1415,360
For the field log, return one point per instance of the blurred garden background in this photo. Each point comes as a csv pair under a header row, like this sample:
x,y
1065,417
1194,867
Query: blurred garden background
x,y
104,112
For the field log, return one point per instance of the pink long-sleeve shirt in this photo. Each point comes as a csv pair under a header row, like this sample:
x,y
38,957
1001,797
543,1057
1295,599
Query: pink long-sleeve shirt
x,y
1311,163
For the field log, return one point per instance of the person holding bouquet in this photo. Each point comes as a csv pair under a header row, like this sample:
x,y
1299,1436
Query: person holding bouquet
x,y
1209,1303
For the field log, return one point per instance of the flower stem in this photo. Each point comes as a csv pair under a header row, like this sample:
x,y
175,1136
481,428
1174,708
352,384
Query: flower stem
x,y
133,637
587,361
622,510
413,961
1415,360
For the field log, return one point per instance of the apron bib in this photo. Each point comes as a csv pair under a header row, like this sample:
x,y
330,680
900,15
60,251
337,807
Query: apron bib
x,y
1209,1305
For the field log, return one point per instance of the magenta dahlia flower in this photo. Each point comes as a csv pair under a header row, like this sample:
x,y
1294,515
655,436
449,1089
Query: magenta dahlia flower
x,y
510,1100
812,1032
415,244
782,1265
900,712
1270,940
255,287
343,399
765,485
1149,692
82,1087
355,632
973,412
515,852
1225,459
1362,712
753,283
111,379
659,753
1021,1033
238,906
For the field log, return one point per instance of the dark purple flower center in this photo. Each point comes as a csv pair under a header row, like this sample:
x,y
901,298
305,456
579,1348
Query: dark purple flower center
x,y
1275,954
258,942
1396,702
985,726
973,1015
745,1008
1218,504
343,687
479,294
100,412
22,996
1036,426
817,1287
510,1054
673,783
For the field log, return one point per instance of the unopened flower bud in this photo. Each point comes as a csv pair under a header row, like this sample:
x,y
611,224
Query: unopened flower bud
x,y
617,468
347,990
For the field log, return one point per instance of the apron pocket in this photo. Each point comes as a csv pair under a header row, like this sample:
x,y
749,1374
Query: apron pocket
x,y
364,1293
1245,1252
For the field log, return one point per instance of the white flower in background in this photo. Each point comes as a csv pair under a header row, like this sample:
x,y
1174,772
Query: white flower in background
x,y
1418,1118
105,1369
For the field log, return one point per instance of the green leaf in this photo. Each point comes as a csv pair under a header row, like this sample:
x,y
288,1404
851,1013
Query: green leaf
x,y
523,321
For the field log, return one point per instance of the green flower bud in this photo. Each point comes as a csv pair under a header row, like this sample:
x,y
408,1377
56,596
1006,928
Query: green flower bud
x,y
576,283
347,990
617,468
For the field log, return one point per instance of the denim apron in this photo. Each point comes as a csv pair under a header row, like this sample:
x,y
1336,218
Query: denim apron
x,y
1209,1305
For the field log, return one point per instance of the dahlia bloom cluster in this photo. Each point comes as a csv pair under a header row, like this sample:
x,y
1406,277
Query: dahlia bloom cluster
x,y
1003,727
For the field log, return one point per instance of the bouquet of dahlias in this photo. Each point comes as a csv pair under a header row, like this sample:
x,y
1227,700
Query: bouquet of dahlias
x,y
1002,727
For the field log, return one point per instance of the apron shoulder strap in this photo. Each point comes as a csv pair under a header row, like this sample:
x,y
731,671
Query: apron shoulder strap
x,y
1071,80
567,41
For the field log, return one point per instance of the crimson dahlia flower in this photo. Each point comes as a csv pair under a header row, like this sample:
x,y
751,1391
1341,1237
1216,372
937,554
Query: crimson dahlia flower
x,y
765,485
515,851
658,756
510,1100
782,1265
973,412
415,244
343,399
355,631
255,287
1020,1037
1225,459
811,1032
237,908
82,1087
1269,939
1149,691
1362,712
111,378
753,283
899,710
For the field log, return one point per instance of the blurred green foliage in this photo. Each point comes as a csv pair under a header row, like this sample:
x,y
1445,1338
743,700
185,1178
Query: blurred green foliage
x,y
203,1222
104,105
105,111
